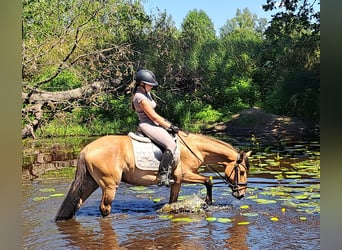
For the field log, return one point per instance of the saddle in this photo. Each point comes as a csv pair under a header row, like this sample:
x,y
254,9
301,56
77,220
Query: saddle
x,y
147,153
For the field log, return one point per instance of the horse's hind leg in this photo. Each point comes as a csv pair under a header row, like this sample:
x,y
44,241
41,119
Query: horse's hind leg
x,y
108,194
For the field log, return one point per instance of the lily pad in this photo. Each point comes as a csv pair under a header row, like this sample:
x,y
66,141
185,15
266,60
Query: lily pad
x,y
243,223
138,188
168,216
264,201
224,220
183,219
274,218
294,176
244,206
301,197
250,214
41,198
211,219
47,190
56,195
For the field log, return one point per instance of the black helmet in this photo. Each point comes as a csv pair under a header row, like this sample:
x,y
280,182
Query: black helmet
x,y
146,76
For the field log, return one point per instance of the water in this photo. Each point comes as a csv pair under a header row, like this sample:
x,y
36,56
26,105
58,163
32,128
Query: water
x,y
281,211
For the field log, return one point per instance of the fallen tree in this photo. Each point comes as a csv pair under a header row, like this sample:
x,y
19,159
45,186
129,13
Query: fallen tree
x,y
37,101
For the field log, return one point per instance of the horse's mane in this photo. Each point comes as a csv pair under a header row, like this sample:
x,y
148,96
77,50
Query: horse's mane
x,y
216,140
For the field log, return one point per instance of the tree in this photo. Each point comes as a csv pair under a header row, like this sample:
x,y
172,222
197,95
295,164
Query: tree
x,y
61,52
197,30
240,42
291,59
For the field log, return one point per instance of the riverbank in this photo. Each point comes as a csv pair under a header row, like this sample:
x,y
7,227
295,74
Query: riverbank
x,y
256,123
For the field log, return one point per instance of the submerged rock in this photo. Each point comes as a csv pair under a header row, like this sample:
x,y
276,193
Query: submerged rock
x,y
193,204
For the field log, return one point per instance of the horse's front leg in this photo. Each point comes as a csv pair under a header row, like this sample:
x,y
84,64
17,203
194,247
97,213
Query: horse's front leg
x,y
175,188
196,178
209,186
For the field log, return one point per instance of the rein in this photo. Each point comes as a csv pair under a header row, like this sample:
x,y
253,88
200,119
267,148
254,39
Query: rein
x,y
234,186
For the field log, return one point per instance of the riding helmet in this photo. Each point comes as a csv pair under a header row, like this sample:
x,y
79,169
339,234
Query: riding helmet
x,y
146,76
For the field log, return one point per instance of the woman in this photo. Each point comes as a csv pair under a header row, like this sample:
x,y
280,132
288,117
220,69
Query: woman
x,y
152,124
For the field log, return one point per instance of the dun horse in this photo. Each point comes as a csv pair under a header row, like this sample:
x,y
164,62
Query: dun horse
x,y
109,160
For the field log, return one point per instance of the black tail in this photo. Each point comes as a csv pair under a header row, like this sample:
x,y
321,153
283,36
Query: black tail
x,y
71,202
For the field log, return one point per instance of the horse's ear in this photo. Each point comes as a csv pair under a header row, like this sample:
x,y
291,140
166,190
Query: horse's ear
x,y
248,154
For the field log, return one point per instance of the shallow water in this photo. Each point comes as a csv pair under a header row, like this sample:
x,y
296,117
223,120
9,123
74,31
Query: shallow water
x,y
280,211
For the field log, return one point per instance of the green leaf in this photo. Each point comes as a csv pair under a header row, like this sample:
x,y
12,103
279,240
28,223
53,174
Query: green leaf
x,y
47,190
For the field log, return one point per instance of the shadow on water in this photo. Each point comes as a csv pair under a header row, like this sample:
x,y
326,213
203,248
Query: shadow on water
x,y
280,211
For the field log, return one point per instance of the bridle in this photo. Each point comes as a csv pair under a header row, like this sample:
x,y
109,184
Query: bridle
x,y
236,186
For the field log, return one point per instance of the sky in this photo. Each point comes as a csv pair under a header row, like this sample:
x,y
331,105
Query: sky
x,y
219,11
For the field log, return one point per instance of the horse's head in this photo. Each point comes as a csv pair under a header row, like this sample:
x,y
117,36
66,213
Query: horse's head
x,y
236,174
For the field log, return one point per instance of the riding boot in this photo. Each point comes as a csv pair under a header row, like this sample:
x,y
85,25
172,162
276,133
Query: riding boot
x,y
164,173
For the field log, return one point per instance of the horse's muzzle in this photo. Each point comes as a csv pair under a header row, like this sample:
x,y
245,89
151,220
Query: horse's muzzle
x,y
238,195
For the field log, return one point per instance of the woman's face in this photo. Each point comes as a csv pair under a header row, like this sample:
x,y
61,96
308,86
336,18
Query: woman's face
x,y
148,87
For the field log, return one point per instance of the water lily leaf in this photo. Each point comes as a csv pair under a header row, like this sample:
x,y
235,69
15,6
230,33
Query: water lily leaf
x,y
279,177
244,206
47,190
276,172
183,219
243,223
56,195
166,216
41,198
315,196
301,197
224,220
294,176
264,201
274,219
250,214
289,204
138,188
211,219
291,172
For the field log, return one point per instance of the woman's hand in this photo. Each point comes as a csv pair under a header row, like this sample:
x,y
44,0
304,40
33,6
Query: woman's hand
x,y
174,129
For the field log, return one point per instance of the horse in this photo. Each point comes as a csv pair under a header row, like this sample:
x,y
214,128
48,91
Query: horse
x,y
108,160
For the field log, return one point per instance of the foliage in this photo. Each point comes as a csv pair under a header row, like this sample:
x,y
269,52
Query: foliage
x,y
291,60
204,78
197,31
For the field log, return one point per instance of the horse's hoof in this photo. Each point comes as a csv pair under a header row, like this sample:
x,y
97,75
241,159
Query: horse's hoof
x,y
208,202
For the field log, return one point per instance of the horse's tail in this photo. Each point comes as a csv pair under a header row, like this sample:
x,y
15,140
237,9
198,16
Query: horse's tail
x,y
72,201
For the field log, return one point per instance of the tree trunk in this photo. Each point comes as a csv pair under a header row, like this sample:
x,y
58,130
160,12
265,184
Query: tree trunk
x,y
37,100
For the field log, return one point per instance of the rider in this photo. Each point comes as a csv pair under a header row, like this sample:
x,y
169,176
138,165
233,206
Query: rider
x,y
152,124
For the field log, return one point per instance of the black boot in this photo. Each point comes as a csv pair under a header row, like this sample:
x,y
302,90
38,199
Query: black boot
x,y
164,173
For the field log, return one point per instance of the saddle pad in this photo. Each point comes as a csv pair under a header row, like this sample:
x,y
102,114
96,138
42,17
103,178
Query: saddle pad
x,y
147,155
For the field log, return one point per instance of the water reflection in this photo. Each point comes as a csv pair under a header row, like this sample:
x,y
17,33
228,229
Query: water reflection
x,y
82,236
86,237
237,235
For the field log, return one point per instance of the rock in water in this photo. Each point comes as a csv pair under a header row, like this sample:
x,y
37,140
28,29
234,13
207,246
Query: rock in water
x,y
193,204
